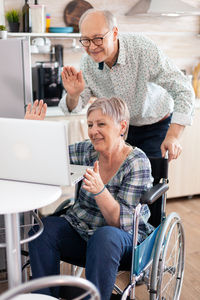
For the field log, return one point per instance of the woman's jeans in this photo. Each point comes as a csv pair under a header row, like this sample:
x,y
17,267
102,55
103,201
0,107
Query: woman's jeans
x,y
106,249
149,137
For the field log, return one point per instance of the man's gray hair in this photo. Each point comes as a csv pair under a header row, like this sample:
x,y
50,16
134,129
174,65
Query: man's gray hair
x,y
114,107
109,17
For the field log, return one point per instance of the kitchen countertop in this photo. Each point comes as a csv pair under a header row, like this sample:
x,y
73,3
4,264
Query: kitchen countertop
x,y
55,111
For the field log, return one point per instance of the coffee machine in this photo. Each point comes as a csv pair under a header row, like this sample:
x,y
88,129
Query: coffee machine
x,y
46,75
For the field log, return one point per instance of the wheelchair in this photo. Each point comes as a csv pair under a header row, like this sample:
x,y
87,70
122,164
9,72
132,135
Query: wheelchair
x,y
158,262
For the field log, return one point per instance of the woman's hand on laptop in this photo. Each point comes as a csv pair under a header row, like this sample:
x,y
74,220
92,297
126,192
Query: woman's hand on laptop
x,y
37,111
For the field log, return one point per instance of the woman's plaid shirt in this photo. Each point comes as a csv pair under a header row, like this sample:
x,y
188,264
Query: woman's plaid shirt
x,y
126,186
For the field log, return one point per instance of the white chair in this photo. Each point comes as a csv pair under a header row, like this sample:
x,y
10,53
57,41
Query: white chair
x,y
22,291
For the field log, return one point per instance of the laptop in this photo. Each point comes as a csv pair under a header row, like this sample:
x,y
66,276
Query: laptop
x,y
36,152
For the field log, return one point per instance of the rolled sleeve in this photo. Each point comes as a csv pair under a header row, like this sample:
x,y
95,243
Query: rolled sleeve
x,y
63,106
182,119
83,100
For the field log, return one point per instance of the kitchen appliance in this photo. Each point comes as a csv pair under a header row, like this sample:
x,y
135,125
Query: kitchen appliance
x,y
47,83
16,92
59,54
171,8
15,77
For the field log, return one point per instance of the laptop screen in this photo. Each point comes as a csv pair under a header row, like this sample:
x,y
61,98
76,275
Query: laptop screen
x,y
34,151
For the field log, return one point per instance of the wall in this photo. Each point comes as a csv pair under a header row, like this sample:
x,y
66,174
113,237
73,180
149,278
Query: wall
x,y
177,36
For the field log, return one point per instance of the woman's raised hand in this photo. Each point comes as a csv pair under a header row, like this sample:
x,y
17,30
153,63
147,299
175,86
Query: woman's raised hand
x,y
73,81
37,111
93,182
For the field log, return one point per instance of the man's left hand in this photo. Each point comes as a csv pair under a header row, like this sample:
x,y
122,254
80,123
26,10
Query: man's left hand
x,y
172,145
171,142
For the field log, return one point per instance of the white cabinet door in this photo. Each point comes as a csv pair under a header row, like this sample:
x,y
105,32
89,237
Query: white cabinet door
x,y
184,173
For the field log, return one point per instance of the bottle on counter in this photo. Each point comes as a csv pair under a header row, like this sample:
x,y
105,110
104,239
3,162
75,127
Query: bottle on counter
x,y
26,17
48,22
38,17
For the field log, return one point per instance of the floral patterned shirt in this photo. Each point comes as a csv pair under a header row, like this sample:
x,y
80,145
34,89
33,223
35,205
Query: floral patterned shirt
x,y
126,187
144,77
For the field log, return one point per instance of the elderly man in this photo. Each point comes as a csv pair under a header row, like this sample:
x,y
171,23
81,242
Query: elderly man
x,y
159,97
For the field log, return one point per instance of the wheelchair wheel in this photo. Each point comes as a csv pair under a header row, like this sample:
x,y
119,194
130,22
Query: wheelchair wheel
x,y
168,262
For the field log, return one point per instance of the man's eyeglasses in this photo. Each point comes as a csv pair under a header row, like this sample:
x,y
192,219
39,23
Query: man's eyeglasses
x,y
97,41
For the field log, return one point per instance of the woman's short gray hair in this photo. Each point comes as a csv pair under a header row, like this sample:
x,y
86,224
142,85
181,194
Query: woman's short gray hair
x,y
109,17
114,107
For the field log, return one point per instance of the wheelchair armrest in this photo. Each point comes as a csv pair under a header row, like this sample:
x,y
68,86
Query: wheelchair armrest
x,y
150,196
62,208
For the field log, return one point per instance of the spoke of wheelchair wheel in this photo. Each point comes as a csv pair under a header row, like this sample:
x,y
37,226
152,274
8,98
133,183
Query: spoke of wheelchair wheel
x,y
168,283
173,252
168,288
171,264
174,248
174,259
171,271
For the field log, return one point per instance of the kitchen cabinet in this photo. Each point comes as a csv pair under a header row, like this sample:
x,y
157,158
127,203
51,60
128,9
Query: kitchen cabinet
x,y
184,179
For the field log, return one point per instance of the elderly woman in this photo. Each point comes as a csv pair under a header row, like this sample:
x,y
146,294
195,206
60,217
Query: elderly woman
x,y
96,231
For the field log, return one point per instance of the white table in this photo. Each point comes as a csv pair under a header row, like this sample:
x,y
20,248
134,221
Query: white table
x,y
19,197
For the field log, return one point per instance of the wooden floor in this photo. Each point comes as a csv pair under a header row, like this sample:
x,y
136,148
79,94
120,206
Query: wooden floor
x,y
189,210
